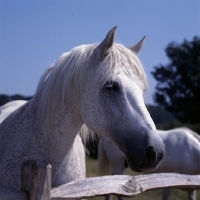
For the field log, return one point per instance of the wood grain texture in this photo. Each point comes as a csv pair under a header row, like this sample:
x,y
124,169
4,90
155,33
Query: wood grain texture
x,y
36,179
128,186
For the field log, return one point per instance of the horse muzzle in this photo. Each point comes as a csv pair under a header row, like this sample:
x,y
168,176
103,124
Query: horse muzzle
x,y
149,160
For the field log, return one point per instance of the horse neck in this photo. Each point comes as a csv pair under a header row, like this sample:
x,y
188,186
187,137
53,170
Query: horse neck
x,y
57,143
62,129
67,124
64,136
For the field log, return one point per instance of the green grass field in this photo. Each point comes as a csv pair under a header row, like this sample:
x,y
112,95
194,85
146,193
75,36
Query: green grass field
x,y
91,166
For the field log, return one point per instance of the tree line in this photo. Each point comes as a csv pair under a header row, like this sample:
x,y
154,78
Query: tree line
x,y
7,98
178,82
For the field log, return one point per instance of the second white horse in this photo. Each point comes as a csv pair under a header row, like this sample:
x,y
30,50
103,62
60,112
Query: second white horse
x,y
182,156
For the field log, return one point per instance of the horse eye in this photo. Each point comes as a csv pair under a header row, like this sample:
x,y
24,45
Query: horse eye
x,y
109,87
112,86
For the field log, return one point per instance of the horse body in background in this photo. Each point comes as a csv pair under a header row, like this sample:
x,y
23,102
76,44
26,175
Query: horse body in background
x,y
97,85
9,107
182,156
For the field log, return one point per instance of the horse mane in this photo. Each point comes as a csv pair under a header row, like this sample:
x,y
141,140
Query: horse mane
x,y
66,77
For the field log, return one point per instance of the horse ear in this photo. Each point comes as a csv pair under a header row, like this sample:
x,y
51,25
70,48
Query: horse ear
x,y
136,47
107,43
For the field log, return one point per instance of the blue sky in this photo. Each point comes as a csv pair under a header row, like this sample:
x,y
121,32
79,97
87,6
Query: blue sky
x,y
34,33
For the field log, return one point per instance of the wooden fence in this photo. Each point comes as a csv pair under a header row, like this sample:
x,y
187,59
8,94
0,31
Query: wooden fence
x,y
36,184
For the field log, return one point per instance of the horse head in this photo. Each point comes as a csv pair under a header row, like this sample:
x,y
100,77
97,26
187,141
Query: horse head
x,y
113,104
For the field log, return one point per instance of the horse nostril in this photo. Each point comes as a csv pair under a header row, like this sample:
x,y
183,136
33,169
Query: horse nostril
x,y
150,154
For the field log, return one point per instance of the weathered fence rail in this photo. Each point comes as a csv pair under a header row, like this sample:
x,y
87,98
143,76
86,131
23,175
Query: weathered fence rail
x,y
36,184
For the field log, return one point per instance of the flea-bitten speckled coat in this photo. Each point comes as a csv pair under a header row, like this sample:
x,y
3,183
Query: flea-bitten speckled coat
x,y
100,85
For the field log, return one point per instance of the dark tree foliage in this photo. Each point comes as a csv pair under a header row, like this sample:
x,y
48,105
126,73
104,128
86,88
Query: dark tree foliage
x,y
178,87
159,114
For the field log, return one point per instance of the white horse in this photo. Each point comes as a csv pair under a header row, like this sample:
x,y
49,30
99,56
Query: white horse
x,y
11,106
182,156
98,85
